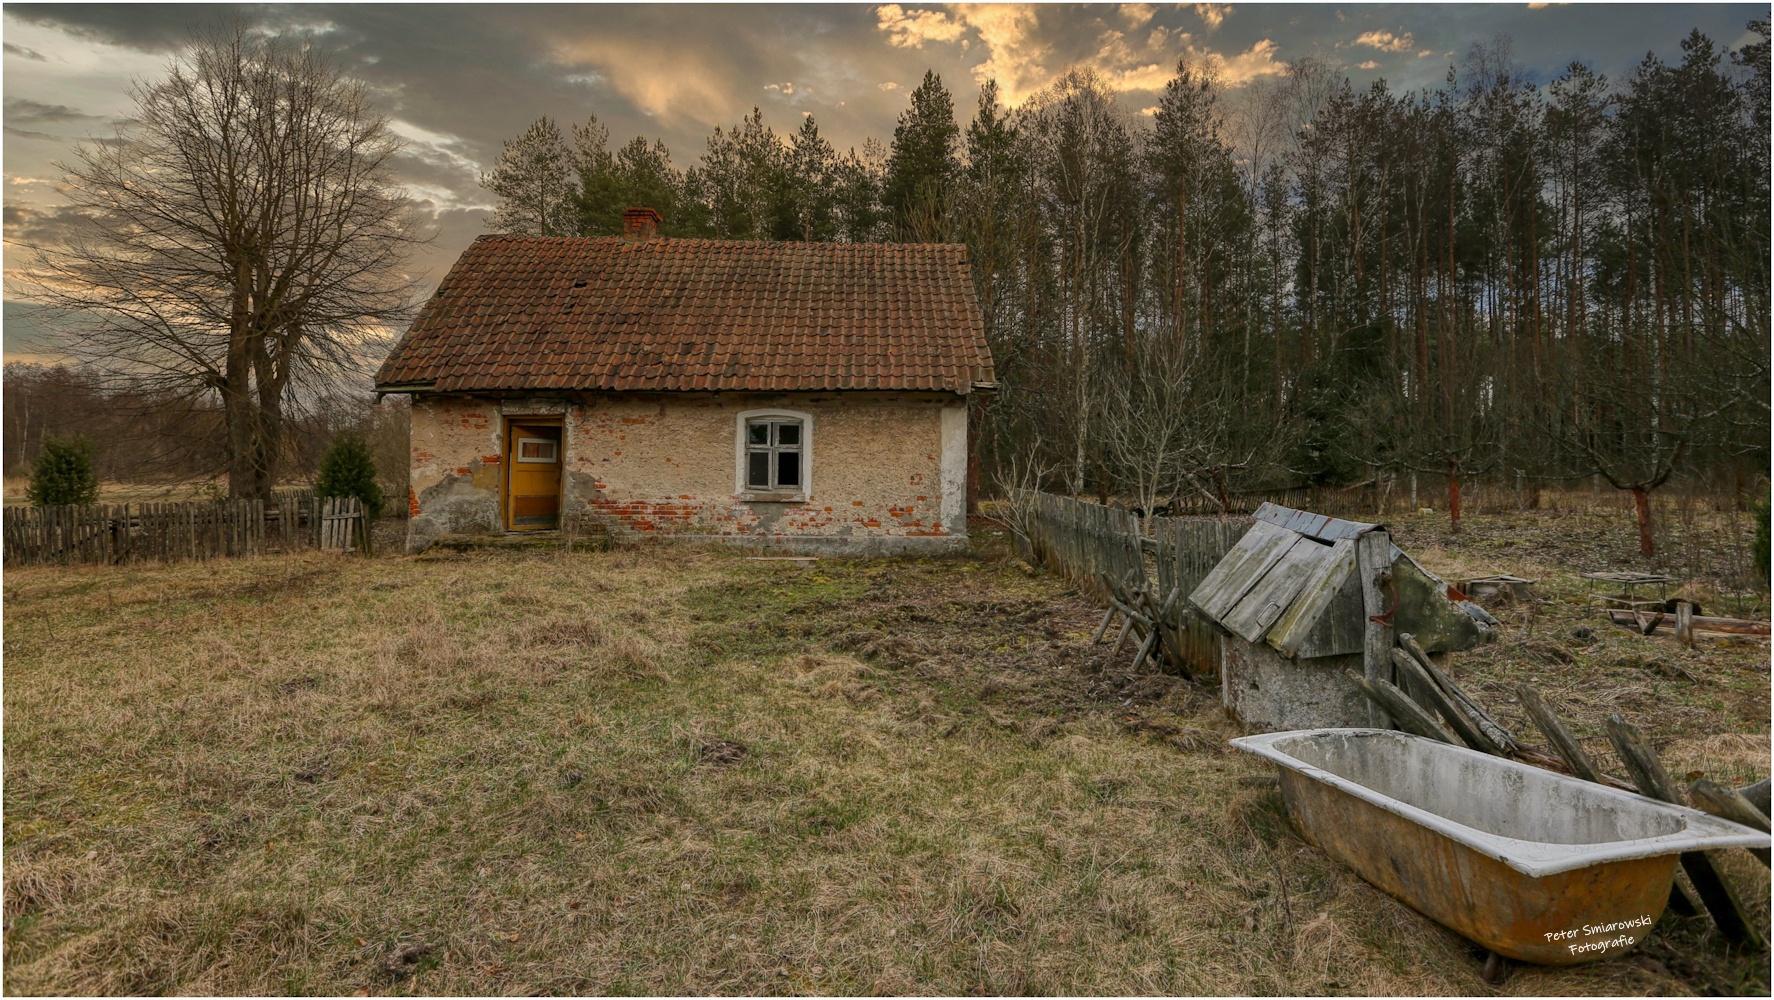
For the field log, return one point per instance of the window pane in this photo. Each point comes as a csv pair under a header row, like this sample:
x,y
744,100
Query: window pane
x,y
758,433
788,468
757,474
788,434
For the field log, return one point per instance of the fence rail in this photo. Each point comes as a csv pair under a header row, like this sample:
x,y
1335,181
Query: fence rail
x,y
1098,548
108,534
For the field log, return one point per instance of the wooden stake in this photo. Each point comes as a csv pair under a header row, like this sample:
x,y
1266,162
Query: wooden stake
x,y
1409,715
1469,733
1647,770
1103,629
1556,734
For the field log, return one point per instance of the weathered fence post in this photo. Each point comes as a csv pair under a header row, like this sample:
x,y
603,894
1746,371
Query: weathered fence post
x,y
1373,563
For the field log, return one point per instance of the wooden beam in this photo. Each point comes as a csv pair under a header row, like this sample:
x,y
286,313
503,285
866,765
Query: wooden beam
x,y
1728,803
1757,795
1492,729
1647,770
1373,565
1409,715
1468,731
1561,739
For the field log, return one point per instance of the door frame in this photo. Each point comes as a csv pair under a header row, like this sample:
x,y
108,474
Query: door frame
x,y
508,459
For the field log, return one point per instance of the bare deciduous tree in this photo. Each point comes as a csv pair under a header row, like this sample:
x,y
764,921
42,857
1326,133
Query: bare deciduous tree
x,y
243,239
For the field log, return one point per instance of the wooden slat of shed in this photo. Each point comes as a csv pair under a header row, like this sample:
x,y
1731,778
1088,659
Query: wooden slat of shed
x,y
1319,526
1314,598
1276,590
1258,550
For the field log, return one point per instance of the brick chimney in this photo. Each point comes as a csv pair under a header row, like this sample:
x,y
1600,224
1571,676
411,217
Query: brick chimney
x,y
640,223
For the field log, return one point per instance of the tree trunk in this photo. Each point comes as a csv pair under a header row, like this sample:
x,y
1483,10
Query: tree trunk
x,y
1641,503
1453,498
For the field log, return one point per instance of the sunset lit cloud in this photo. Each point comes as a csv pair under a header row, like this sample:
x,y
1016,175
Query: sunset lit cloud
x,y
1386,41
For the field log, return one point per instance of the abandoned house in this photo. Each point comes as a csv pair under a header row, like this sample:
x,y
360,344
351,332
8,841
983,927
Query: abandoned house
x,y
804,395
1290,605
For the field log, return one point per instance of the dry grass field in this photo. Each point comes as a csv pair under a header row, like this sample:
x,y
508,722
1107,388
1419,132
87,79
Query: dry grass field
x,y
674,770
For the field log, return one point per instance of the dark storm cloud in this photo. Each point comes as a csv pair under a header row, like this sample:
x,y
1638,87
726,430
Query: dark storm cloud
x,y
22,110
33,225
150,27
460,79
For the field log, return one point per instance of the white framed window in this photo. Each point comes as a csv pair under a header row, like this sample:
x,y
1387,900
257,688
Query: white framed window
x,y
541,451
773,455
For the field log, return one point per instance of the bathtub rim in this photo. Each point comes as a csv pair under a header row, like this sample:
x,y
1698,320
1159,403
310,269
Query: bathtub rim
x,y
1532,858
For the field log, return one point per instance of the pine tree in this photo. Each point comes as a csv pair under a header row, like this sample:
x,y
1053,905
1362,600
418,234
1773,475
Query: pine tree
x,y
348,470
857,194
922,166
534,182
811,184
63,473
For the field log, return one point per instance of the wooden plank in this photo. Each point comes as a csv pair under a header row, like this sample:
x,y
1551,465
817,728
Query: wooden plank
x,y
1464,727
1728,803
1373,563
1647,771
1260,548
1700,623
1271,595
1491,727
1319,526
1390,701
1561,739
1315,596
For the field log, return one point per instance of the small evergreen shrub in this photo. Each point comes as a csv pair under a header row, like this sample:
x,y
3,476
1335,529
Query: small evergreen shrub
x,y
347,470
63,473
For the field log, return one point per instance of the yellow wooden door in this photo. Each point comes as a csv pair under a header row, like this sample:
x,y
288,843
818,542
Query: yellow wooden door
x,y
534,479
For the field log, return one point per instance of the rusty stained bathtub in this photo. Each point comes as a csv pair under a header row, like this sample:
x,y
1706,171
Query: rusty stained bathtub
x,y
1533,865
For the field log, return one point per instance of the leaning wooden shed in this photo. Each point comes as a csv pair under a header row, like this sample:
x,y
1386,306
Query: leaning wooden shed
x,y
1291,601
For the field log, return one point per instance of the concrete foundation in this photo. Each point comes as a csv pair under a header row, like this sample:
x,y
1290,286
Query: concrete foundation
x,y
1269,692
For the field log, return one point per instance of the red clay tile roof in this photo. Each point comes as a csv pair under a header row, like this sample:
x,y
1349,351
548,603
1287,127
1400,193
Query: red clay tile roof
x,y
553,312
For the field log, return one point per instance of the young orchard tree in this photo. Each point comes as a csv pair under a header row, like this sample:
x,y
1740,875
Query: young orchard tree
x,y
242,239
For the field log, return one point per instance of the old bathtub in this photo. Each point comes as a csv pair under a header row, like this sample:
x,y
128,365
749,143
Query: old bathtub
x,y
1533,865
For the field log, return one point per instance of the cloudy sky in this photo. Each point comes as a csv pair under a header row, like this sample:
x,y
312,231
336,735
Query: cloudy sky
x,y
457,80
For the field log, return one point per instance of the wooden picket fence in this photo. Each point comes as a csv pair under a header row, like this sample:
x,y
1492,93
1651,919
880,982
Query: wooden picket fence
x,y
108,534
1187,549
1085,542
1100,549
